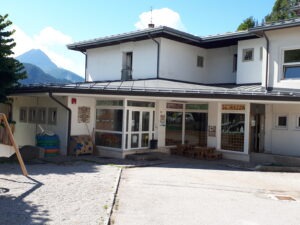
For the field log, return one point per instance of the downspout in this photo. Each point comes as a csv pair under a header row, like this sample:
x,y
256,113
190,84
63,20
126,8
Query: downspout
x,y
267,61
69,118
85,66
158,54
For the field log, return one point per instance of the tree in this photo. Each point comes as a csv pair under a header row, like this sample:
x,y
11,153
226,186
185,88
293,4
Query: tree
x,y
282,10
246,24
11,70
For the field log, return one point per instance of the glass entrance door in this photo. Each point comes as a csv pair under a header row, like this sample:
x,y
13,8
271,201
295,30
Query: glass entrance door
x,y
140,129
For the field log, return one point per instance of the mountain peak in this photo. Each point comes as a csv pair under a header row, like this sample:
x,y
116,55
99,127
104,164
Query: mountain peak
x,y
39,58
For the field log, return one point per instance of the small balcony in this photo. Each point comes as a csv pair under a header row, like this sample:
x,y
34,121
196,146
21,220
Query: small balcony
x,y
126,74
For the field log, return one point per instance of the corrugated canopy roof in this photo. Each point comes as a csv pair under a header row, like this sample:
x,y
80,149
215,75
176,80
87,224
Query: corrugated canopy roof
x,y
169,88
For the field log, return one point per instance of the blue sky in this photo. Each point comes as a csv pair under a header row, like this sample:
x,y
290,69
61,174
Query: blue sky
x,y
51,24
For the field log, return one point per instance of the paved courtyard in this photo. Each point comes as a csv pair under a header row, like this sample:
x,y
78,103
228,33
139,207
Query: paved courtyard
x,y
206,193
58,194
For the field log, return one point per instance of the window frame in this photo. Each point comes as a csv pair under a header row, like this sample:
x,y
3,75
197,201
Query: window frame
x,y
32,115
297,122
52,116
286,65
23,114
244,51
277,126
200,61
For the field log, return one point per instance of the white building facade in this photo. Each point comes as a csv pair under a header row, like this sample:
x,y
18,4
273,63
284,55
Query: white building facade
x,y
237,92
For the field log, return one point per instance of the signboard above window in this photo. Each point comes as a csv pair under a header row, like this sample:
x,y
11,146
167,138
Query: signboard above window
x,y
233,107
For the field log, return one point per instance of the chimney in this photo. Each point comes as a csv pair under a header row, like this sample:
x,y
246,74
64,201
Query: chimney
x,y
151,25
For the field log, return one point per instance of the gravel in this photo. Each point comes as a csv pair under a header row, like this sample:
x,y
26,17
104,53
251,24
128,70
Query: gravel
x,y
66,193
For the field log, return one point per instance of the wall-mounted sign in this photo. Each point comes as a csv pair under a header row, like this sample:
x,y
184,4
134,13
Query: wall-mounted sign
x,y
84,114
211,131
233,107
162,119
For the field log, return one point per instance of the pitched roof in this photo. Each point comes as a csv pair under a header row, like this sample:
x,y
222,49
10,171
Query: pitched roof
x,y
211,41
277,25
165,32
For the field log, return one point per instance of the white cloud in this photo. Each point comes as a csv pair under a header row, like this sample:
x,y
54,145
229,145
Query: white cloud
x,y
49,36
160,17
53,43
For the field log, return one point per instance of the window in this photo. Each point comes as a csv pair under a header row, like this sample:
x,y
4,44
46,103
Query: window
x,y
109,125
109,119
298,122
32,115
197,106
23,114
52,116
41,115
234,68
291,64
281,121
141,104
232,133
127,66
248,54
200,61
109,103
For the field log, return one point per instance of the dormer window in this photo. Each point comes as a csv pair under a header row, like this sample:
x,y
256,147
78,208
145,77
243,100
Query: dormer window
x,y
291,64
248,54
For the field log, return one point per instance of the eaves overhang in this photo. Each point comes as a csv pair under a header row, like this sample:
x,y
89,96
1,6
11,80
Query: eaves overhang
x,y
213,41
203,94
276,25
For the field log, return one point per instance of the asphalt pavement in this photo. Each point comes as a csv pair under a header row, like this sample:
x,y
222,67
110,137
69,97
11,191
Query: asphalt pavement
x,y
208,193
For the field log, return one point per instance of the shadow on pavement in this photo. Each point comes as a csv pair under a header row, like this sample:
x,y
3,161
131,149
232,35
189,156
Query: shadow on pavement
x,y
15,210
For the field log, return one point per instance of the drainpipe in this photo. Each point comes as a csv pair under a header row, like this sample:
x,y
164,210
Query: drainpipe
x,y
85,66
69,118
267,61
158,54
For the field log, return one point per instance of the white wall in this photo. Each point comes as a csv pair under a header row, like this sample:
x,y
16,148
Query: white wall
x,y
251,71
82,128
105,63
178,61
25,132
213,111
279,41
282,141
220,65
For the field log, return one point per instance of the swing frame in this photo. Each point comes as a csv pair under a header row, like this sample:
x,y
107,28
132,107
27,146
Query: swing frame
x,y
7,128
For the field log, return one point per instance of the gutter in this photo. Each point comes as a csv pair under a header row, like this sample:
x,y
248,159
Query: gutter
x,y
158,55
69,118
267,62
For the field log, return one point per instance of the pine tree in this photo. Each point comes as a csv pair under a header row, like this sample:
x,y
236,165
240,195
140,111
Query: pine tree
x,y
282,10
11,70
247,23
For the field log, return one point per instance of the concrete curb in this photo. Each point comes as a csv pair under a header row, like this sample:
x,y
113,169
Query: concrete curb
x,y
108,222
277,169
